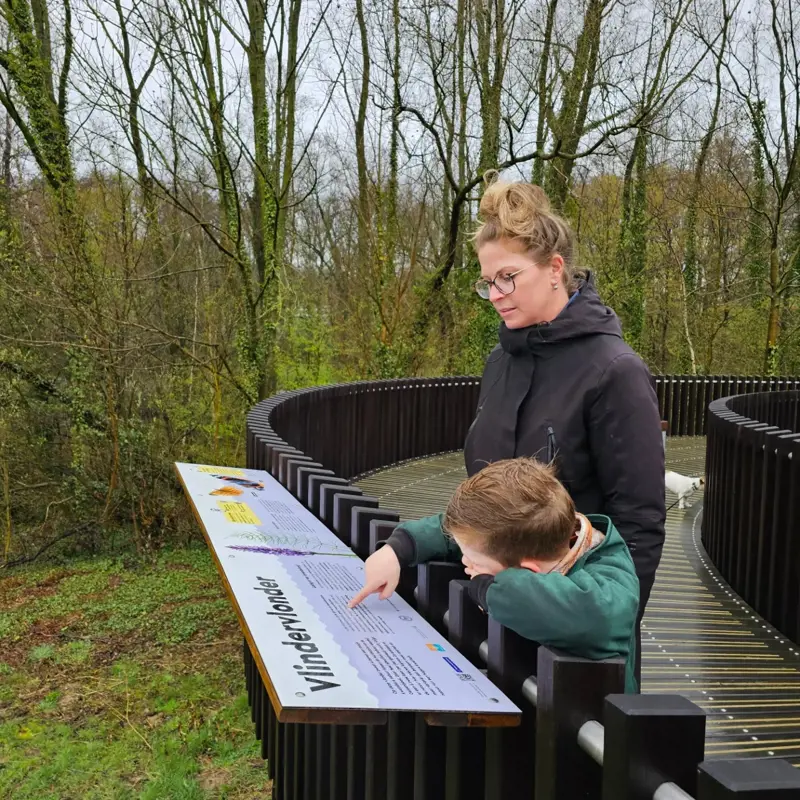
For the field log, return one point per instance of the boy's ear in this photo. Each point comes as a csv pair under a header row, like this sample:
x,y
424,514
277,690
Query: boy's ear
x,y
531,564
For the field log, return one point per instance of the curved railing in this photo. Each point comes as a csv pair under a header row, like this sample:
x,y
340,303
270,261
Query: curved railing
x,y
353,428
751,515
314,442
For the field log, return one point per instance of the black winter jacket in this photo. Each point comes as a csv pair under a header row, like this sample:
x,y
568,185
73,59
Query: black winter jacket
x,y
571,391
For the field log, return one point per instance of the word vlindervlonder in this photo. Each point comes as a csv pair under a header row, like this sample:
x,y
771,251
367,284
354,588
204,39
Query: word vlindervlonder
x,y
314,669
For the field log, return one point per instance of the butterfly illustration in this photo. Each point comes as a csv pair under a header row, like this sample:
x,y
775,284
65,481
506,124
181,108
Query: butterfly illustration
x,y
241,481
228,491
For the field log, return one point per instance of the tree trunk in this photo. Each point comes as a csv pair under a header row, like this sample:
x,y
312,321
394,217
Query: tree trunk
x,y
632,250
690,272
490,28
30,71
538,173
771,361
569,126
364,214
263,203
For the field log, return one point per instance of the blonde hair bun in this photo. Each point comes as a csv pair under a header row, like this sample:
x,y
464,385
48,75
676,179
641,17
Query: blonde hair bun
x,y
522,212
512,203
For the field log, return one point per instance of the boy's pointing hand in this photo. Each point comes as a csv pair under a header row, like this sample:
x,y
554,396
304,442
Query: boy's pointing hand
x,y
381,574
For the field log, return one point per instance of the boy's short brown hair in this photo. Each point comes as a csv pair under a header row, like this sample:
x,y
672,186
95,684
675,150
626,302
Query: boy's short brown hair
x,y
512,510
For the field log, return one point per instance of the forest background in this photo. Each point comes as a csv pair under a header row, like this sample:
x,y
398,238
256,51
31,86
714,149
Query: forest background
x,y
203,202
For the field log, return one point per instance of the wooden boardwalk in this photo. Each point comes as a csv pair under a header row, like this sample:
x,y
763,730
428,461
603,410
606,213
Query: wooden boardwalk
x,y
699,639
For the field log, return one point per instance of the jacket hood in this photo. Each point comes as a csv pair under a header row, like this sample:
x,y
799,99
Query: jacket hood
x,y
585,315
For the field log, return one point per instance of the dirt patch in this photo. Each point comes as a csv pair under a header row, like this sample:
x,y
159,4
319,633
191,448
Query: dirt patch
x,y
71,704
56,577
44,631
8,585
56,631
109,650
15,592
212,779
176,567
12,597
172,605
16,653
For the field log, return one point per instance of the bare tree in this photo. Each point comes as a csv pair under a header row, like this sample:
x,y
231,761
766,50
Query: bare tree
x,y
772,60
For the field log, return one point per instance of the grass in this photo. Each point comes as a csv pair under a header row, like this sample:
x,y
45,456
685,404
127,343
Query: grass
x,y
123,680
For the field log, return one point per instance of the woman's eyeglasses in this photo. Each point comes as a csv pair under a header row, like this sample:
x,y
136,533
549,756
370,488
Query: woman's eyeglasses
x,y
504,283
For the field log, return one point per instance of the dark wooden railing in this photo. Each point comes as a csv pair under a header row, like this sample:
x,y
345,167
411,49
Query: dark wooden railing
x,y
684,399
751,516
354,428
578,739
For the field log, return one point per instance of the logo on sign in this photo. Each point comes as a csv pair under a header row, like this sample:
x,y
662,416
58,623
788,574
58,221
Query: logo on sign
x,y
435,647
452,664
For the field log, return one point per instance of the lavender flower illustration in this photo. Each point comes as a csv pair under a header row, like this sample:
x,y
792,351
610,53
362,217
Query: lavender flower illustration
x,y
283,551
292,543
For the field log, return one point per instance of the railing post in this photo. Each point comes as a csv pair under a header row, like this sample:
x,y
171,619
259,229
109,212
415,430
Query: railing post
x,y
284,459
748,779
314,495
649,740
260,450
322,773
571,692
433,595
276,758
327,495
430,755
510,760
400,756
467,625
361,521
430,760
337,780
375,758
356,763
270,725
309,762
380,531
290,469
249,681
291,761
343,505
466,747
301,485
274,452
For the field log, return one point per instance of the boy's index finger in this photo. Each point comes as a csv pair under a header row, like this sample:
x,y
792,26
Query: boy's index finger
x,y
360,597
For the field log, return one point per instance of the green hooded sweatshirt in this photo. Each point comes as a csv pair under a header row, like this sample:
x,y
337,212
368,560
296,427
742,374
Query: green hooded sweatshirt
x,y
590,612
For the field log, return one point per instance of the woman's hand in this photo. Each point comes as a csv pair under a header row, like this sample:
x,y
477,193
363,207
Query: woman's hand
x,y
381,574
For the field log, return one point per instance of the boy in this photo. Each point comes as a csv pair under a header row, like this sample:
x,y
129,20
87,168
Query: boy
x,y
537,567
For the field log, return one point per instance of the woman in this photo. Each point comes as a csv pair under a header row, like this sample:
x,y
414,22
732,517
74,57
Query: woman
x,y
562,385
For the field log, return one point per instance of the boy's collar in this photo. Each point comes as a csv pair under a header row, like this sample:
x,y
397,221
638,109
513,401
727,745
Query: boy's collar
x,y
585,539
